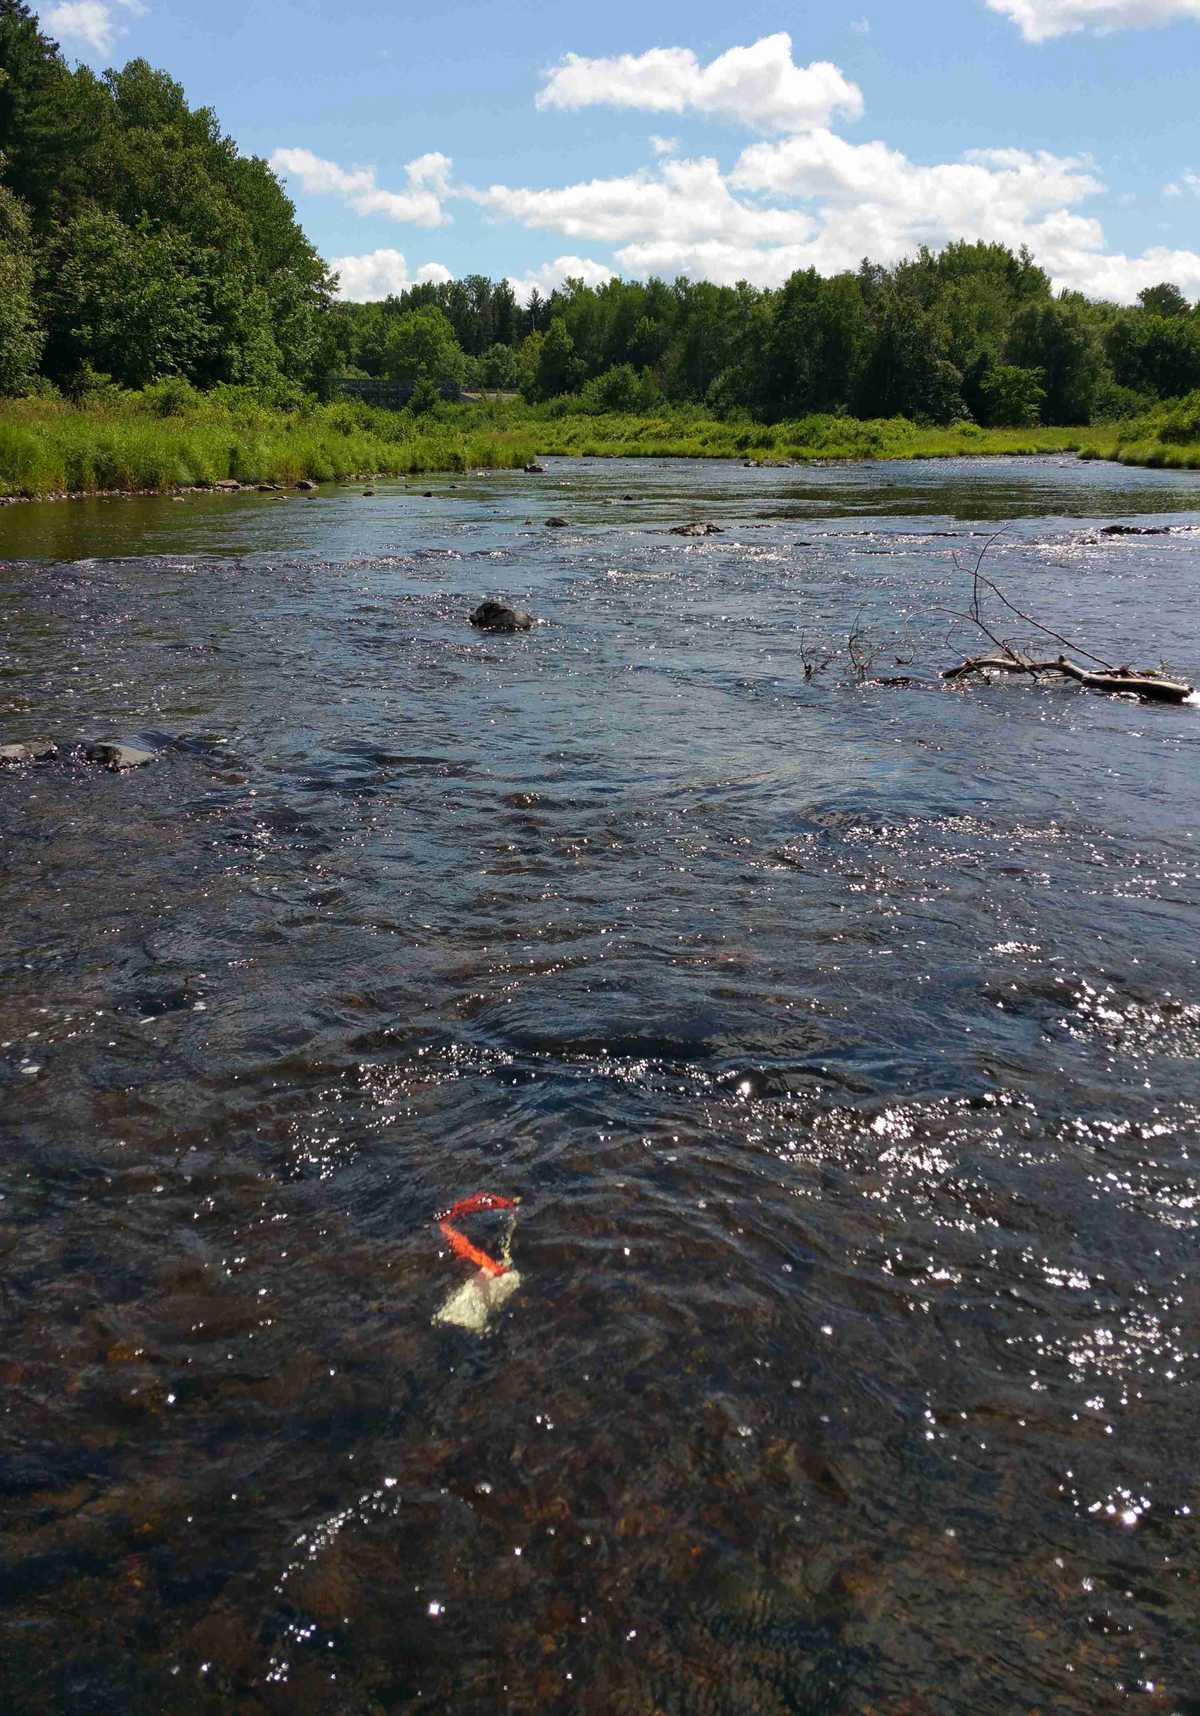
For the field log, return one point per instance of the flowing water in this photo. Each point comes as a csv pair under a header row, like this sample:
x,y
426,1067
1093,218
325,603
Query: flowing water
x,y
839,1037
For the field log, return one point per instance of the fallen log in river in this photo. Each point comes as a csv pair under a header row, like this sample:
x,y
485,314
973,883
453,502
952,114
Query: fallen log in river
x,y
1149,686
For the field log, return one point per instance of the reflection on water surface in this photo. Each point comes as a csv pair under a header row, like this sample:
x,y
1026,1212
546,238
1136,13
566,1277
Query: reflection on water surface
x,y
840,1041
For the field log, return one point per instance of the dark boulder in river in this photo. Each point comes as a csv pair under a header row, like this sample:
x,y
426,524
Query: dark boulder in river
x,y
695,530
304,483
534,469
116,756
556,524
495,617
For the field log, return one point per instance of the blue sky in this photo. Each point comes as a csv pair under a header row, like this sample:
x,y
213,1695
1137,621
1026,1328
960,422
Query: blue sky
x,y
536,141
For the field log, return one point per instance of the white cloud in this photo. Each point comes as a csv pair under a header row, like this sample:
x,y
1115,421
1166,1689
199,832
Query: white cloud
x,y
552,274
428,179
432,170
380,272
991,188
686,216
759,85
93,23
1077,258
1039,20
683,200
808,199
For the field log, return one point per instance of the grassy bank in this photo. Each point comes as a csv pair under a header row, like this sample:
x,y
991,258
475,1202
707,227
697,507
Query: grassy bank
x,y
1167,437
170,437
685,434
165,439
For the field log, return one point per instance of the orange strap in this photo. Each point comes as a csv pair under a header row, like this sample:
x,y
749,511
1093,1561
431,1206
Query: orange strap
x,y
460,1245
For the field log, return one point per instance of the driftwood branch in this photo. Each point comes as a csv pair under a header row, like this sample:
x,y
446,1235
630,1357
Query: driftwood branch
x,y
1146,685
1152,687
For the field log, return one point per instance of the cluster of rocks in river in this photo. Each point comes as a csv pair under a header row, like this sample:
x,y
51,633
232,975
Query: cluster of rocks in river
x,y
110,752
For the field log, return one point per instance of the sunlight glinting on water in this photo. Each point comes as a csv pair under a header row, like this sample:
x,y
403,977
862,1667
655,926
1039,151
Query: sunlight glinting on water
x,y
838,1031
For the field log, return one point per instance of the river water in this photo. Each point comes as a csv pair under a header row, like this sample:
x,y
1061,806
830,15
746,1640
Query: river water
x,y
840,1039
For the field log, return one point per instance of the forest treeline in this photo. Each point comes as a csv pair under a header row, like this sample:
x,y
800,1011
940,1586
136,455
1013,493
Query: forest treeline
x,y
138,247
971,333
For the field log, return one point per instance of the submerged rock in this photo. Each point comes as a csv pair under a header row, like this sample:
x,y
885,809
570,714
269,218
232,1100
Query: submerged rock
x,y
495,617
534,469
695,530
116,756
33,751
1136,530
556,523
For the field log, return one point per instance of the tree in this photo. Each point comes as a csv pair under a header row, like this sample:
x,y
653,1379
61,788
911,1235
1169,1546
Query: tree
x,y
1165,299
908,374
814,351
420,345
500,368
620,389
1011,397
1155,353
20,336
558,368
131,304
1057,338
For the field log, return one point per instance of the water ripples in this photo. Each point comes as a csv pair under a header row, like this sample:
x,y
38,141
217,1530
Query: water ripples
x,y
840,1039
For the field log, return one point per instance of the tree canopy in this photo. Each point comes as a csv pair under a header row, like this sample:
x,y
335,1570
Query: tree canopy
x,y
137,243
156,248
974,332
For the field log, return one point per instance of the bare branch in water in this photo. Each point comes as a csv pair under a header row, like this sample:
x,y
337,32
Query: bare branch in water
x,y
1150,686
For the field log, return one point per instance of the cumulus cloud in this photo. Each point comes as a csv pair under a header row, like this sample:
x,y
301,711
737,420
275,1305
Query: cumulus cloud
x,y
816,200
859,199
552,274
808,198
997,186
95,24
380,272
759,85
427,181
1078,259
1039,20
432,169
683,200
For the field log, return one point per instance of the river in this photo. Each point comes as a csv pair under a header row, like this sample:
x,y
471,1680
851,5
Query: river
x,y
839,1038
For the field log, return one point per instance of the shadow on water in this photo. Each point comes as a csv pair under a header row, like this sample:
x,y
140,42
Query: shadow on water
x,y
840,1041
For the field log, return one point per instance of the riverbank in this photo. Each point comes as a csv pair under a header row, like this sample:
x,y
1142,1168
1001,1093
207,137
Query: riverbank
x,y
169,438
161,440
1167,438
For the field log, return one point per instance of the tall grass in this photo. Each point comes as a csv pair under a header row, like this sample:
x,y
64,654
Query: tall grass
x,y
691,434
49,446
169,437
1168,437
